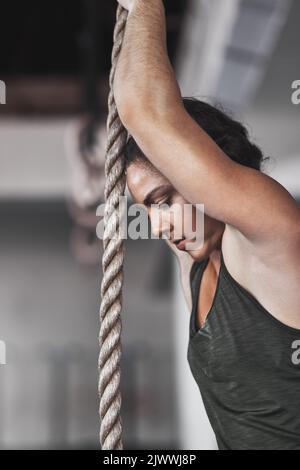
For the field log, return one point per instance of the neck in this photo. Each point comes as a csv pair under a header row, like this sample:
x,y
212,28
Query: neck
x,y
214,259
215,254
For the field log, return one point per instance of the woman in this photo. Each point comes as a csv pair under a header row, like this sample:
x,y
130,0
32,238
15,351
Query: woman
x,y
245,277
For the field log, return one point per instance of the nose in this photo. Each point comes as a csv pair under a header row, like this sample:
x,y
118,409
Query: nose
x,y
160,222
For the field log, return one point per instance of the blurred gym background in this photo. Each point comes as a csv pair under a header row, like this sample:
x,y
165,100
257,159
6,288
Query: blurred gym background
x,y
55,61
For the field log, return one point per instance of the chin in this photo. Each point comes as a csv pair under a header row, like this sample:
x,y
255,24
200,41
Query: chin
x,y
197,255
202,252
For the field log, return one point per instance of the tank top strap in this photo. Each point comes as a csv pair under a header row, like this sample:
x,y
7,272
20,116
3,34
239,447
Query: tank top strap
x,y
195,274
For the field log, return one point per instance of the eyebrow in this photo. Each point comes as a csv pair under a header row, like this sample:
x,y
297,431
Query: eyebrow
x,y
159,191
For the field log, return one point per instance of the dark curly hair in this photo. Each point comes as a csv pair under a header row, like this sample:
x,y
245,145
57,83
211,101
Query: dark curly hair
x,y
230,135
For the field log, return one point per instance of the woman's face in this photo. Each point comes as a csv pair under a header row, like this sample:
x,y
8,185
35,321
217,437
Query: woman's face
x,y
148,187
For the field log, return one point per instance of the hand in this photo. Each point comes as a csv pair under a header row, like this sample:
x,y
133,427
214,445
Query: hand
x,y
128,4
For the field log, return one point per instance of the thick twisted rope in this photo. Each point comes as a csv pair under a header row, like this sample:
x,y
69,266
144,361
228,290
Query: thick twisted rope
x,y
112,264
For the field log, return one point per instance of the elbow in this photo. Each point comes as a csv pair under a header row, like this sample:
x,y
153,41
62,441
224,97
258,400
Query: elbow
x,y
139,113
134,112
130,107
128,111
140,117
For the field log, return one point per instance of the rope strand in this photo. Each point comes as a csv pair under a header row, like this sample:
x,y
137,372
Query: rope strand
x,y
112,265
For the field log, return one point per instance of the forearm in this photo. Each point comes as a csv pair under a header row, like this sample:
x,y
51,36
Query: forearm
x,y
144,75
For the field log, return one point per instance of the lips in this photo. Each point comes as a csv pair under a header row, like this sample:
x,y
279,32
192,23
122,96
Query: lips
x,y
180,244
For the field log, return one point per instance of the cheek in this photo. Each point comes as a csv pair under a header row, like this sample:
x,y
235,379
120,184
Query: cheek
x,y
198,220
195,223
177,220
136,195
184,220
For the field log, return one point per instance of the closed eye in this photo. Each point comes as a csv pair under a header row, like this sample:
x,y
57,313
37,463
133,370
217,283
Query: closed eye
x,y
165,201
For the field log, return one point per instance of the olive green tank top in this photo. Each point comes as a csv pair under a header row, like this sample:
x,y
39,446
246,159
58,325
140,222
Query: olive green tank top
x,y
247,366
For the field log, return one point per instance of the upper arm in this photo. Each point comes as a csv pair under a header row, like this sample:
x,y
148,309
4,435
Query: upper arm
x,y
252,202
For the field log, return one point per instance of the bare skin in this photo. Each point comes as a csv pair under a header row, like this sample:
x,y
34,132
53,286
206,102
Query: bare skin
x,y
143,182
251,217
